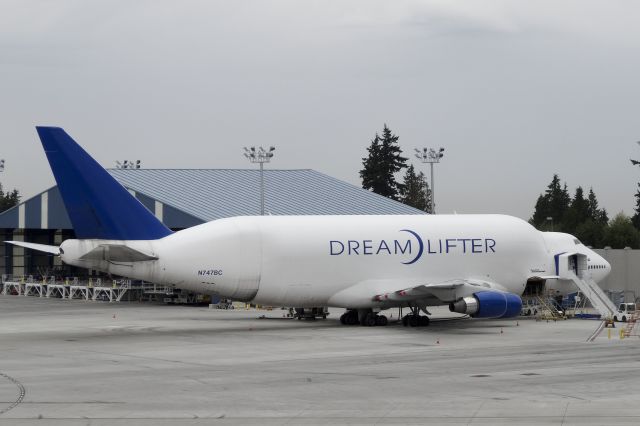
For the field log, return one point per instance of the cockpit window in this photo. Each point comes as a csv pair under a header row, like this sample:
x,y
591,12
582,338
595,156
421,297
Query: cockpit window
x,y
577,241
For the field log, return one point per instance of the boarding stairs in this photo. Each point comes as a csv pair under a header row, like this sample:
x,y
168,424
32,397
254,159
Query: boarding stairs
x,y
547,309
596,296
574,267
630,325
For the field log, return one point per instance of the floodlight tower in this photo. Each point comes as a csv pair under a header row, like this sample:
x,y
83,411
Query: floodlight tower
x,y
431,156
260,156
127,164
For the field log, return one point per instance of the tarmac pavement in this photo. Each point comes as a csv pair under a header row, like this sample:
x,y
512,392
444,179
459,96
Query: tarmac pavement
x,y
71,362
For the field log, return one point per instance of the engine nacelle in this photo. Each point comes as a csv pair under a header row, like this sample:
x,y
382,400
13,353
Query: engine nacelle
x,y
488,304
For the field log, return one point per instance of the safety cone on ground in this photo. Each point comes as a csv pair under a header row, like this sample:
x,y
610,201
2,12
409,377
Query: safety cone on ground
x,y
114,316
501,331
438,341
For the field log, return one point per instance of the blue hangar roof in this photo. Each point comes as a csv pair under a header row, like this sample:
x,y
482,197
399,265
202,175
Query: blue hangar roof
x,y
186,197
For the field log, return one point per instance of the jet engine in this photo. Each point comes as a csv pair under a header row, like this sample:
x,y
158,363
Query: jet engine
x,y
488,304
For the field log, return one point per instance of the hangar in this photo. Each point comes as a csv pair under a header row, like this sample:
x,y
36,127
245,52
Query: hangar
x,y
182,198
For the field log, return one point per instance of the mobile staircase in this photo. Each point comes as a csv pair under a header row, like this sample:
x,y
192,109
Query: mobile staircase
x,y
630,325
547,308
573,267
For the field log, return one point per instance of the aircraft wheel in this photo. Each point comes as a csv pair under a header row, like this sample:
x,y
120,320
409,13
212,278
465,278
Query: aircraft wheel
x,y
343,320
414,321
381,320
624,319
405,320
369,320
615,318
423,321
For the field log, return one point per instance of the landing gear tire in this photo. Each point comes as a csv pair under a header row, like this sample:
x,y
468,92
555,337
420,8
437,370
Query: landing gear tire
x,y
370,320
624,319
381,320
415,321
349,318
615,318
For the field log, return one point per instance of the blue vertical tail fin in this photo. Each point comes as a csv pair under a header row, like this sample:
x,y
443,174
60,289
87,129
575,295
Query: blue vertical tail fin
x,y
98,206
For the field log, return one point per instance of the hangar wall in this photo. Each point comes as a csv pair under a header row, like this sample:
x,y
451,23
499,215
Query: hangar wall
x,y
625,272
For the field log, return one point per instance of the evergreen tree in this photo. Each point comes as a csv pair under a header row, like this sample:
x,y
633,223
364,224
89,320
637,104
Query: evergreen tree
x,y
415,190
9,199
636,217
554,204
621,233
577,213
590,229
592,207
541,213
381,165
591,233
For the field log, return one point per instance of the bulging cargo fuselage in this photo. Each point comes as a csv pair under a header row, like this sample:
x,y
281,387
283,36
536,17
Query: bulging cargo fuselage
x,y
341,261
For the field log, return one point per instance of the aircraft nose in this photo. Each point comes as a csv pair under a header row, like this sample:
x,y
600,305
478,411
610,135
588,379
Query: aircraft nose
x,y
607,267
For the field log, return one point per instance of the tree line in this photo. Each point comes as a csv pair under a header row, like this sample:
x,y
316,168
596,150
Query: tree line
x,y
382,164
556,209
580,215
9,199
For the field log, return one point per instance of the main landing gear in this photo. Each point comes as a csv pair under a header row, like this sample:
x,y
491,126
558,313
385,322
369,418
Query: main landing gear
x,y
363,317
414,319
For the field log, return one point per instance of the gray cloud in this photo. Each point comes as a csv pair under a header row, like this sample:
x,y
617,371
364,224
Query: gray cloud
x,y
515,91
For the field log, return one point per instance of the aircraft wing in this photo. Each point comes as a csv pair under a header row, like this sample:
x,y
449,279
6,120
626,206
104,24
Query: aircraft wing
x,y
399,291
447,291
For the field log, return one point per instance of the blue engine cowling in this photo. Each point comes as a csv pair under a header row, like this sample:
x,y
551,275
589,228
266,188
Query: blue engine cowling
x,y
489,304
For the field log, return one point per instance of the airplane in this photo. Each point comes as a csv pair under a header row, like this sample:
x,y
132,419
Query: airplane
x,y
478,265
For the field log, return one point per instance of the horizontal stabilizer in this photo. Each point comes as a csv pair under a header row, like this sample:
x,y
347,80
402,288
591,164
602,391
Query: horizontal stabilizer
x,y
39,247
117,253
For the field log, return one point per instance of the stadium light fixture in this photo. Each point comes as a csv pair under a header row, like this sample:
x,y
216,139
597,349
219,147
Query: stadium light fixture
x,y
127,164
260,156
431,156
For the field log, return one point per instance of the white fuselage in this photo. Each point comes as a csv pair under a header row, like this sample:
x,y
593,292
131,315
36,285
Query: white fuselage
x,y
336,260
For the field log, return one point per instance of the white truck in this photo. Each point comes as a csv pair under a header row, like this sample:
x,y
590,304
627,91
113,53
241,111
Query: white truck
x,y
625,310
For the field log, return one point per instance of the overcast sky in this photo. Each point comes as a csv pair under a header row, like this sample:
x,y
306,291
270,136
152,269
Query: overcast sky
x,y
514,90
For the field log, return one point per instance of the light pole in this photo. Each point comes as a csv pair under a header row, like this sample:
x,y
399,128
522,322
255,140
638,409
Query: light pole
x,y
127,164
431,156
260,156
2,165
